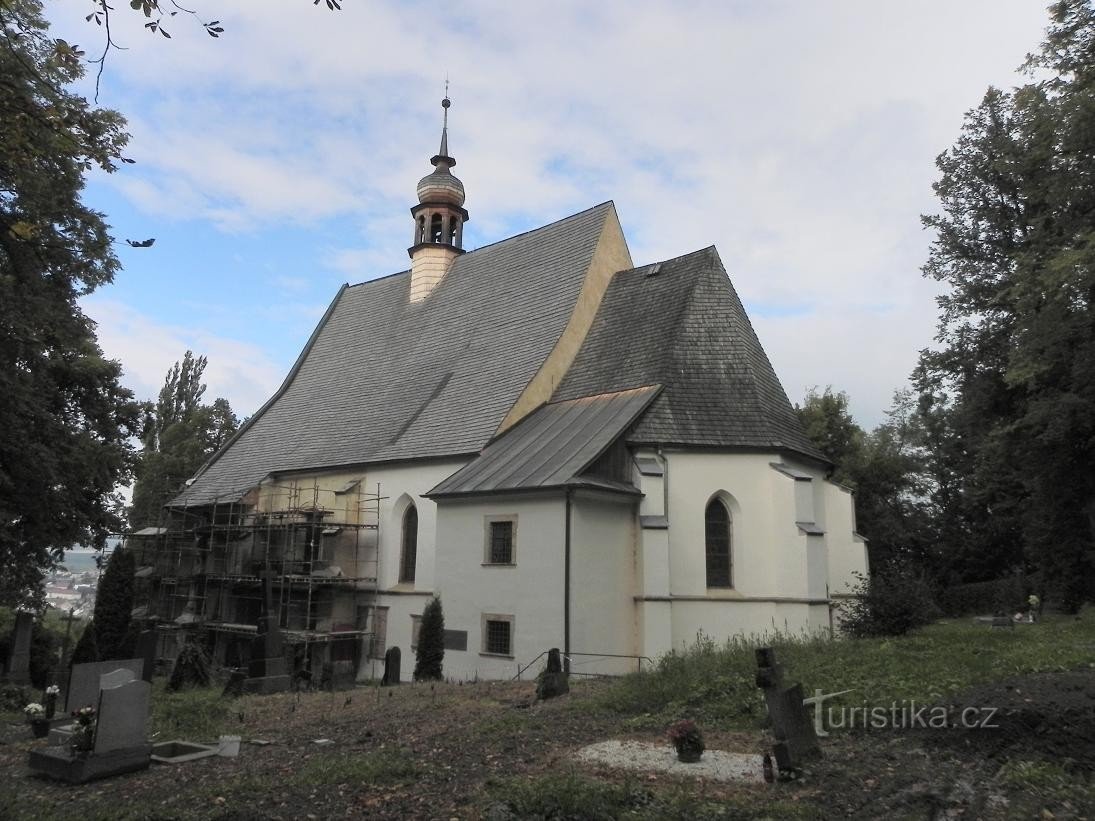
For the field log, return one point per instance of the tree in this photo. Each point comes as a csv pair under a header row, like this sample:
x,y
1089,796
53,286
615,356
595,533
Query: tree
x,y
113,605
65,420
830,426
180,434
884,467
86,650
1014,374
431,643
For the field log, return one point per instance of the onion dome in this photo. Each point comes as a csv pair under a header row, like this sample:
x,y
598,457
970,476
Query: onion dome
x,y
440,185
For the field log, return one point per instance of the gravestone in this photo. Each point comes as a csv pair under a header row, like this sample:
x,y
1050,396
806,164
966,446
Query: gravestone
x,y
267,672
553,681
84,680
116,678
19,661
792,726
234,686
121,742
391,667
146,652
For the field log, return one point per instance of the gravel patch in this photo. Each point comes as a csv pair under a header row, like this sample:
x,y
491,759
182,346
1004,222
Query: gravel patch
x,y
637,755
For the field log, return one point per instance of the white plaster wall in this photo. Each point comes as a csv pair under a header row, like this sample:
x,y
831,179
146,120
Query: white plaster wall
x,y
428,267
766,547
603,582
847,552
531,590
720,620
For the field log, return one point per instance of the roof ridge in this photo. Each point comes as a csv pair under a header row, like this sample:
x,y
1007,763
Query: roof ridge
x,y
575,215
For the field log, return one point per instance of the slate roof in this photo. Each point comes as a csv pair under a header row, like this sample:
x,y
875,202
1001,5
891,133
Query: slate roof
x,y
383,379
680,324
551,447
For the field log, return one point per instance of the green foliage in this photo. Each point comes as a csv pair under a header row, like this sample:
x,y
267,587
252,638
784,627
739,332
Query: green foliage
x,y
65,421
179,434
1011,388
714,683
1008,595
431,643
886,469
113,605
86,649
830,426
893,600
191,668
13,698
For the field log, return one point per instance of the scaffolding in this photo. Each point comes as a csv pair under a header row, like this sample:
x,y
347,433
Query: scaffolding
x,y
204,569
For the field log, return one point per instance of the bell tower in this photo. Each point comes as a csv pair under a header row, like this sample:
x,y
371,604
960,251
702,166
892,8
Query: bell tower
x,y
439,219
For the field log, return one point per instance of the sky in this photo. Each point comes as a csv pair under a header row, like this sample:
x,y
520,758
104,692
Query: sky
x,y
278,161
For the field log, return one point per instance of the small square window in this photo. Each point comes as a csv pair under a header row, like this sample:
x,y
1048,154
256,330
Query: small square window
x,y
499,637
500,546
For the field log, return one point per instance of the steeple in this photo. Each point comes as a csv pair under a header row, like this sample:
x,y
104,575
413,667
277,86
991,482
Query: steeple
x,y
439,218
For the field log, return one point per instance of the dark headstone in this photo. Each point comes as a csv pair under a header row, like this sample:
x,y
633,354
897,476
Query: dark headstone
x,y
267,672
120,742
792,726
233,688
391,667
1002,623
19,662
146,651
553,680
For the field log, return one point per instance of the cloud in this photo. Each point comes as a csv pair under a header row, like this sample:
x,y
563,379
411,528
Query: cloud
x,y
798,138
238,371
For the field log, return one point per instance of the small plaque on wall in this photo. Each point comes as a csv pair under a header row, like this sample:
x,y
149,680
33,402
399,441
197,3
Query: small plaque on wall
x,y
456,640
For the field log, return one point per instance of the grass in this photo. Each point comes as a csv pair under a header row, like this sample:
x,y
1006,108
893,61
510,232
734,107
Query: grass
x,y
381,767
197,714
715,682
572,796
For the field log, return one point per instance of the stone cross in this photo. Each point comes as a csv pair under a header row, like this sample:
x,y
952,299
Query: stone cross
x,y
796,741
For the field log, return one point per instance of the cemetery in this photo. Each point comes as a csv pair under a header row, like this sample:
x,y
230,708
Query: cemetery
x,y
552,741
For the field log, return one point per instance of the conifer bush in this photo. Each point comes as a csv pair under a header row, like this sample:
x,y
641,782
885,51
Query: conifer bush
x,y
431,643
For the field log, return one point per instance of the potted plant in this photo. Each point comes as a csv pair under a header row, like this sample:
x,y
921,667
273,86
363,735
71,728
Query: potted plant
x,y
36,717
687,739
83,734
51,700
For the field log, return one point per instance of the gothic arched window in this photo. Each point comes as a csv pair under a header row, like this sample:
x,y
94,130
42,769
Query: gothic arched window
x,y
409,554
716,532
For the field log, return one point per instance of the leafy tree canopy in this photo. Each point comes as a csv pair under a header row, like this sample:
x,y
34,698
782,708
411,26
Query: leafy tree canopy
x,y
180,433
1013,379
64,418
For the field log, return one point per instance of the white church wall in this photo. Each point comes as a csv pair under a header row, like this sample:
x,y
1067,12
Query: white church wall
x,y
763,529
847,551
603,582
530,592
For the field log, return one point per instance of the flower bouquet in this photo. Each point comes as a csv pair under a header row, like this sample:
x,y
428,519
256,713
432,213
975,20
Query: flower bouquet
x,y
687,739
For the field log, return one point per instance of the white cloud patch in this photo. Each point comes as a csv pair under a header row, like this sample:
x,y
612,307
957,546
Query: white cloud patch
x,y
239,371
798,138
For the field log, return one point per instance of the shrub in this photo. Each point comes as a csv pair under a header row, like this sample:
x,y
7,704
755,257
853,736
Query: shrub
x,y
982,598
890,602
191,668
431,643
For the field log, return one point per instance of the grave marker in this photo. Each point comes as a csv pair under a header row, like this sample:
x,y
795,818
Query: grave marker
x,y
792,726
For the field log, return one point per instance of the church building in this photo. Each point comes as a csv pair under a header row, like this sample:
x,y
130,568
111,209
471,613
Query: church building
x,y
568,449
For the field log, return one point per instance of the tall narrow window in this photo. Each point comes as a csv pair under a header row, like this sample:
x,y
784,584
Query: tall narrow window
x,y
716,530
501,543
409,555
